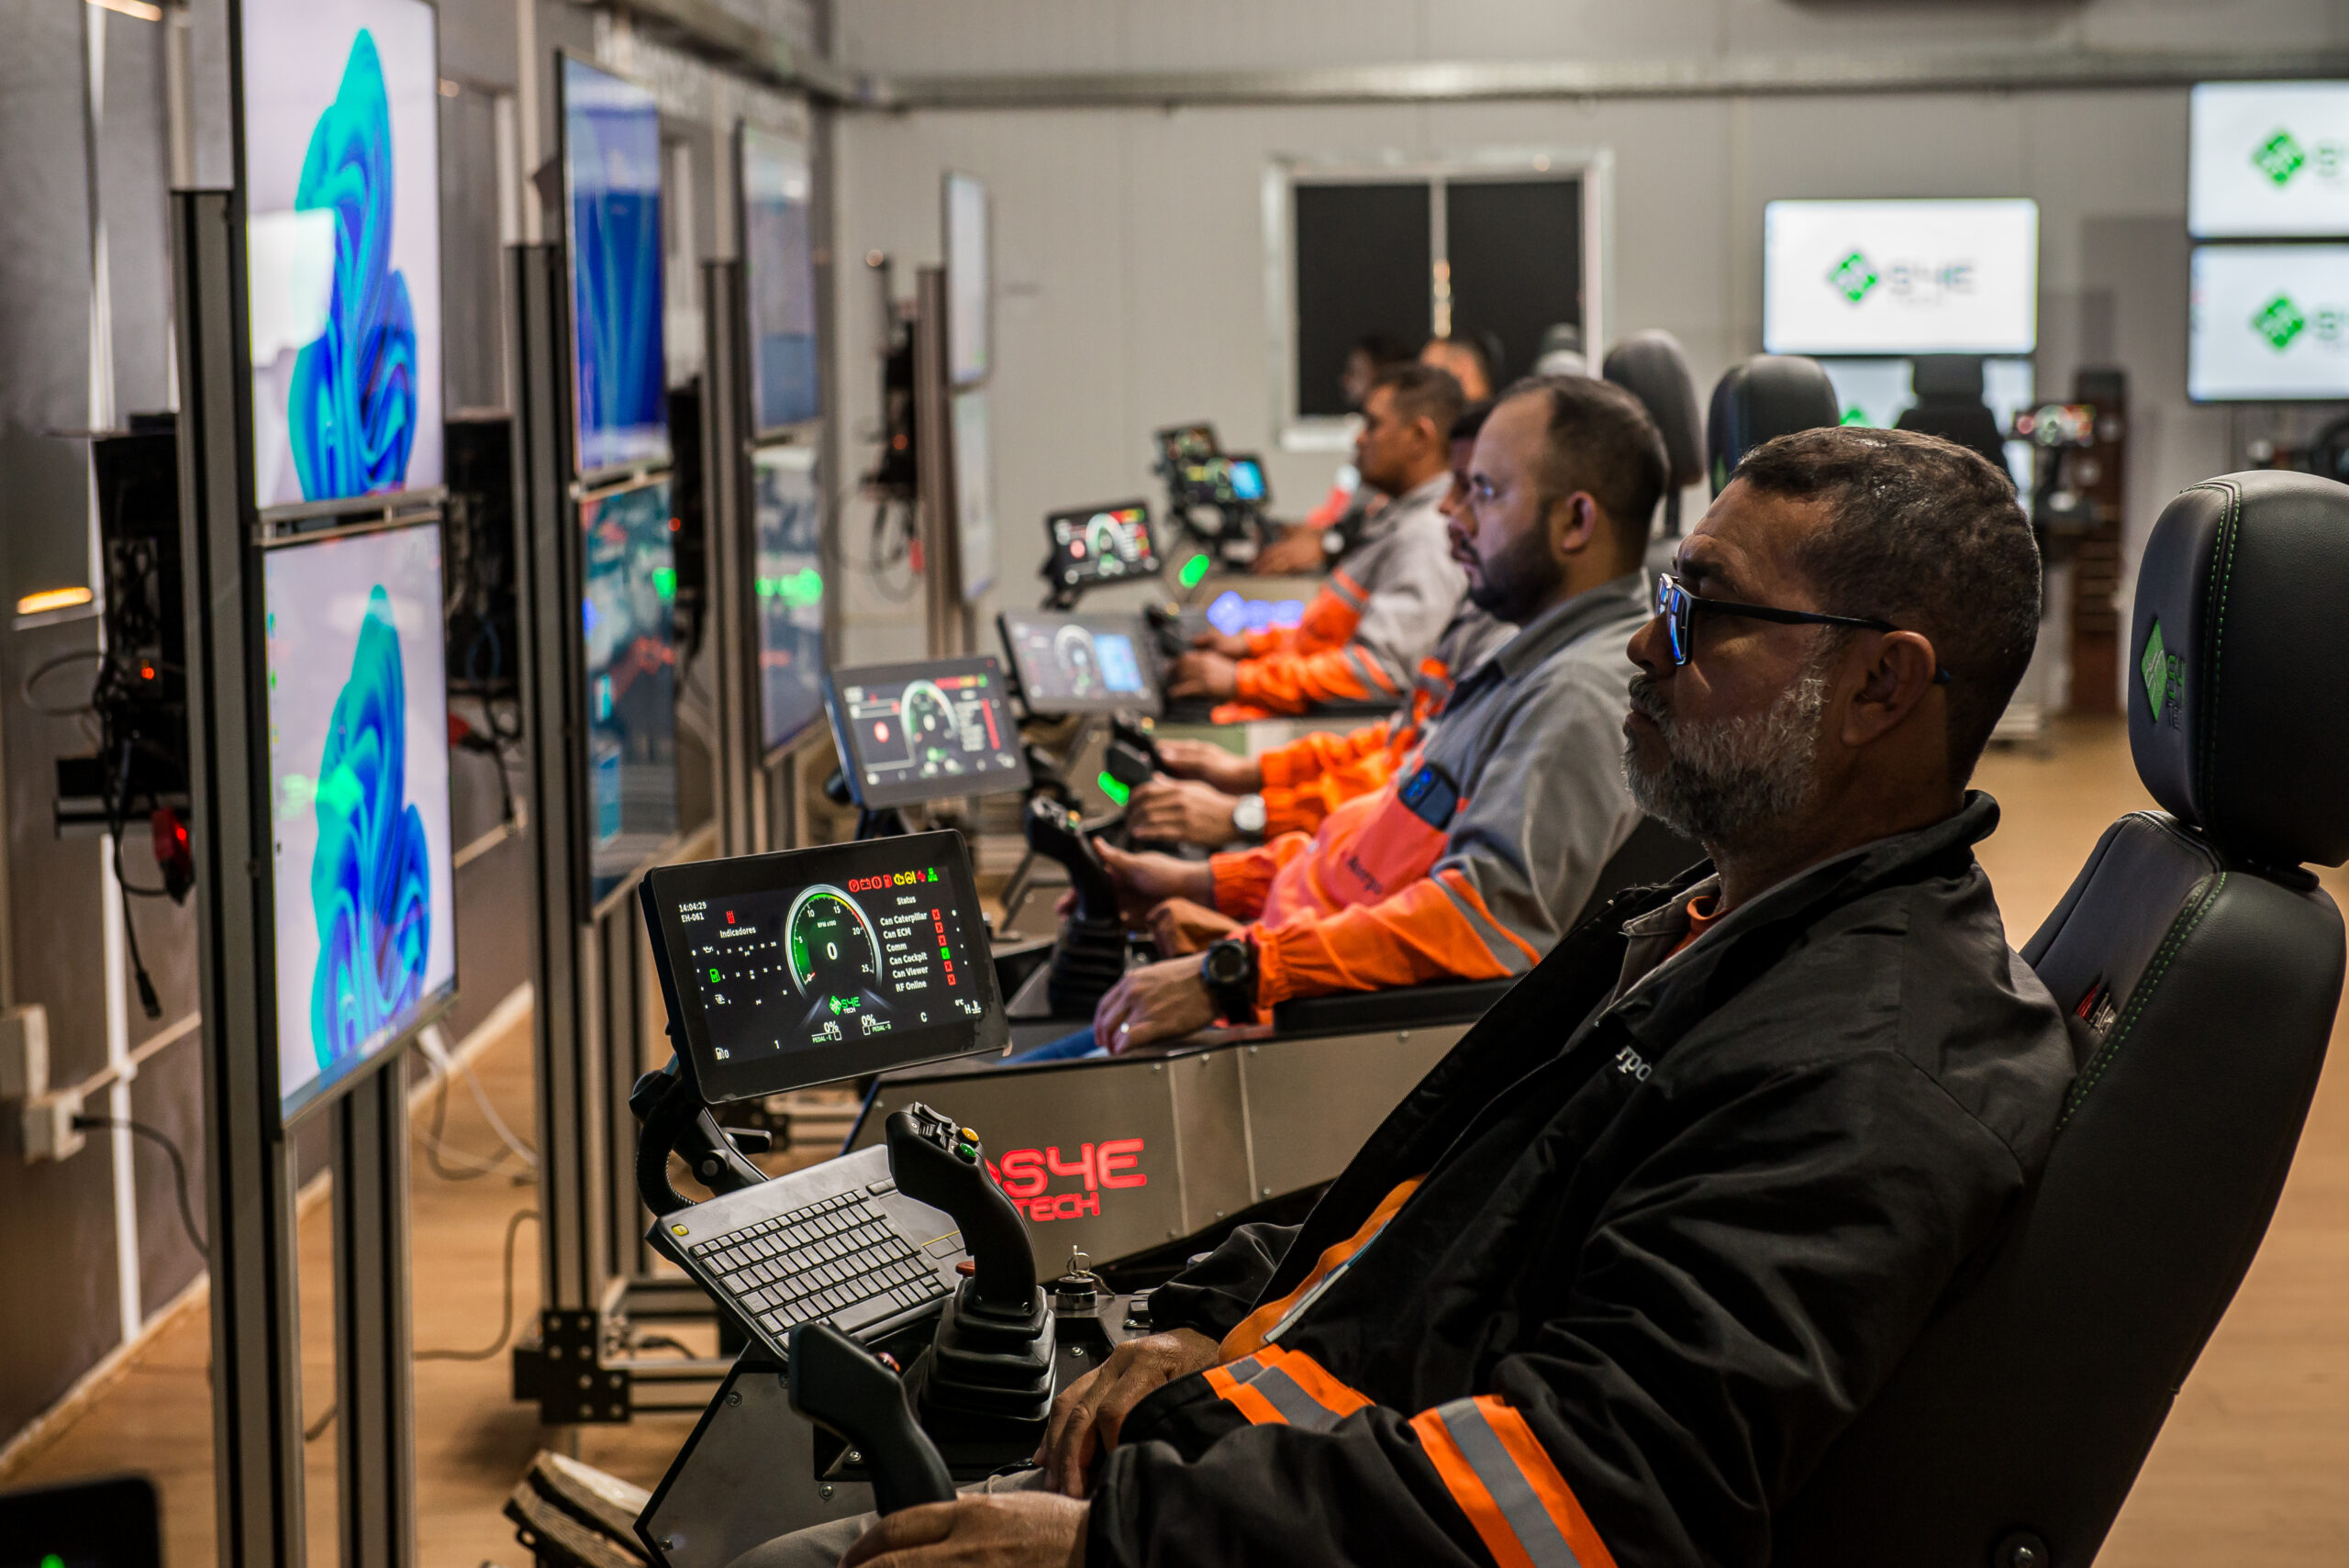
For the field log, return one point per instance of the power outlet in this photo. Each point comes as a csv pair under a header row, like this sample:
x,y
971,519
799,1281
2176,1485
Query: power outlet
x,y
50,1132
24,1053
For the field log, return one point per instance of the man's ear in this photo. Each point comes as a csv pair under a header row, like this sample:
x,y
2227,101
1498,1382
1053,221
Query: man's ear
x,y
1898,680
1574,522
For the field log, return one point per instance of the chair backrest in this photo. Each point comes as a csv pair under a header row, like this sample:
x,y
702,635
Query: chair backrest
x,y
2203,968
1767,395
1949,404
1653,368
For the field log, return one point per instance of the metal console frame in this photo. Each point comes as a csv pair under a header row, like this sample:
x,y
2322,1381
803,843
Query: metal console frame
x,y
256,1340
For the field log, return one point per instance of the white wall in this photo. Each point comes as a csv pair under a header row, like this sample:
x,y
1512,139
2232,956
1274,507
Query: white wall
x,y
1129,246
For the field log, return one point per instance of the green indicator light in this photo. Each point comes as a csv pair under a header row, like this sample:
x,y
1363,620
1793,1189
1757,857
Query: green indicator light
x,y
52,1561
665,583
1113,789
943,954
712,974
801,589
1194,571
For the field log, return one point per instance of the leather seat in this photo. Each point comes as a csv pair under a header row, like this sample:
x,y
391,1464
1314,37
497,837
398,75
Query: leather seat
x,y
2203,965
1768,396
1949,404
1653,367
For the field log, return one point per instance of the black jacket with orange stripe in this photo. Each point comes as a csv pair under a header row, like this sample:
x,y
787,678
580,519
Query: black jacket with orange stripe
x,y
1677,1218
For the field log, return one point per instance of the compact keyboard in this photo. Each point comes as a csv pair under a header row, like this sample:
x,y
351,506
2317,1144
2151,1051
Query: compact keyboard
x,y
836,1244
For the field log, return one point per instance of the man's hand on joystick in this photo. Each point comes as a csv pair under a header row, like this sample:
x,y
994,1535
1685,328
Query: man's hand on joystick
x,y
1089,1412
1146,880
1001,1529
1210,763
1181,809
1179,926
1205,672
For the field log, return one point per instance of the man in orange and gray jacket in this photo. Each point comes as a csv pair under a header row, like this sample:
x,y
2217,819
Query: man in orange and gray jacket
x,y
1469,864
1390,593
1207,795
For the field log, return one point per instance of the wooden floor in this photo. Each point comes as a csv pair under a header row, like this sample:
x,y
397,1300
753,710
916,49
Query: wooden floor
x,y
2254,1466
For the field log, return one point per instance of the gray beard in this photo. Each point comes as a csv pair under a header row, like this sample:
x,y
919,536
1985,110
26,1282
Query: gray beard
x,y
1726,784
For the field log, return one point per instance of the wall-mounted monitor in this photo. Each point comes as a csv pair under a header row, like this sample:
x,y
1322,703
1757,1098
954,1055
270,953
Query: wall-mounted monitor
x,y
779,272
629,561
339,124
1901,277
788,580
363,891
2268,160
611,173
970,297
2268,324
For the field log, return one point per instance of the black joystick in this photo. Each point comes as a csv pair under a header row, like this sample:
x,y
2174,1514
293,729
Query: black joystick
x,y
987,1376
1091,956
838,1385
1167,630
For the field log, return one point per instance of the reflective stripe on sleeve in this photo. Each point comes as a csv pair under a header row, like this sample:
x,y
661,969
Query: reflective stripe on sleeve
x,y
1251,1335
1497,1471
1285,1387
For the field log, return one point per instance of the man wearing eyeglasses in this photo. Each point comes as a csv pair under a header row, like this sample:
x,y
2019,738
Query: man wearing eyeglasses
x,y
1470,860
1605,1286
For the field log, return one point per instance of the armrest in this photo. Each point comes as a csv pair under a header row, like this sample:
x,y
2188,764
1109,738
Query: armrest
x,y
1412,1007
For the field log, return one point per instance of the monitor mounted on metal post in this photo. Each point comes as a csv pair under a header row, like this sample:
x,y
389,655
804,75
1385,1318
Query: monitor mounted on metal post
x,y
611,169
1072,663
789,969
1093,546
363,887
779,277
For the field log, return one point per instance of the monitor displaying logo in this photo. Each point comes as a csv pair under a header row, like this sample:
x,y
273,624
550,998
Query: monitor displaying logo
x,y
2279,158
1852,277
2279,321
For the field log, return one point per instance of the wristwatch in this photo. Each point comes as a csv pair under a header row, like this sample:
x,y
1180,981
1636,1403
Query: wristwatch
x,y
1248,815
1228,970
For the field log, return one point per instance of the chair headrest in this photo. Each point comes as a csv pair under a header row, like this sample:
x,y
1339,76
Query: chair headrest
x,y
2235,684
1768,396
1651,367
1947,378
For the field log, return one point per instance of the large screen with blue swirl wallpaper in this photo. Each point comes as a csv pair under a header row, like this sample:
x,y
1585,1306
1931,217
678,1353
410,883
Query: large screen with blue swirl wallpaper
x,y
365,903
342,246
611,166
630,622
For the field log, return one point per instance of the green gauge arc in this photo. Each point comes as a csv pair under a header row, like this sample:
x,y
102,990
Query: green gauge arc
x,y
803,972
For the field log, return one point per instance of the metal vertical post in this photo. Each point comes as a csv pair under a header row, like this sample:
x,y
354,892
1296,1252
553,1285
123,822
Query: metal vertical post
x,y
256,1340
733,596
374,1396
547,573
948,619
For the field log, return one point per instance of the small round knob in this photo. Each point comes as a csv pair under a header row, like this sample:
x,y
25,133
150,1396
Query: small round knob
x,y
2021,1549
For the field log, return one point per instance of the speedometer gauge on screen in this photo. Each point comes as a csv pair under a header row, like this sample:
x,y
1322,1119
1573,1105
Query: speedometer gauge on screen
x,y
782,971
1101,544
927,731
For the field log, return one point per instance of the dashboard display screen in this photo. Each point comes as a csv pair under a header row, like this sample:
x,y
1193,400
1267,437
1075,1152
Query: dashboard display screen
x,y
788,970
1082,663
1221,481
927,732
1102,544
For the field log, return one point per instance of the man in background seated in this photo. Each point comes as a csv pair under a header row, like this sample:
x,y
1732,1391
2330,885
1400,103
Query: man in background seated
x,y
1211,796
1604,1287
1472,356
1390,594
1469,863
1300,547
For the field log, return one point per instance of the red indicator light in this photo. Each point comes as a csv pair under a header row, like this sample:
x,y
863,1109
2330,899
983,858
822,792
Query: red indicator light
x,y
729,917
880,733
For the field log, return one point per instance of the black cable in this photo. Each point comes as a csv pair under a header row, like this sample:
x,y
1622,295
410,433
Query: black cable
x,y
505,1323
179,1169
316,1429
663,1342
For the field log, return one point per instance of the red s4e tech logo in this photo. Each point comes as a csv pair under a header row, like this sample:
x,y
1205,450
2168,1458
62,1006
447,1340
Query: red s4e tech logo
x,y
1024,1173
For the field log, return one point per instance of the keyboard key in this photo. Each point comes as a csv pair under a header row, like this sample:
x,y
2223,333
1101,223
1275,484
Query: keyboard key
x,y
881,1187
862,1314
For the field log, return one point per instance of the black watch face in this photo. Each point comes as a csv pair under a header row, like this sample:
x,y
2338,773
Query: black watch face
x,y
1227,961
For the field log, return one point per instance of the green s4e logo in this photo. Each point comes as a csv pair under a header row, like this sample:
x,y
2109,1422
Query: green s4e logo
x,y
2280,157
2163,674
1852,277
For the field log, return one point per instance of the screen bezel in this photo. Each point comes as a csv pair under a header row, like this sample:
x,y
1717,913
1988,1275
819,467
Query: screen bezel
x,y
325,1090
609,473
344,509
1056,568
914,794
721,1082
1150,703
743,136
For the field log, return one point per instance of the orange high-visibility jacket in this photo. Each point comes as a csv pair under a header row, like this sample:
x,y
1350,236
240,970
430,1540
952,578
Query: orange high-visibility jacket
x,y
1468,864
1386,601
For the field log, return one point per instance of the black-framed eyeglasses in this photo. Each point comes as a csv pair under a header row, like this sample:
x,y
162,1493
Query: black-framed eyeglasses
x,y
1678,607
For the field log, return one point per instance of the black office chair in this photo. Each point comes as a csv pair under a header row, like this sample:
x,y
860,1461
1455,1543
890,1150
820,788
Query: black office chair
x,y
1949,404
1769,395
2206,965
1655,369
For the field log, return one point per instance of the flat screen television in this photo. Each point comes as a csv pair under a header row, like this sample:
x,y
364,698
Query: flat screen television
x,y
363,896
629,561
788,580
2269,160
2267,324
779,272
970,296
339,153
1901,277
611,176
